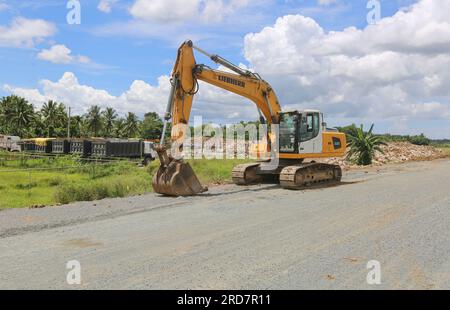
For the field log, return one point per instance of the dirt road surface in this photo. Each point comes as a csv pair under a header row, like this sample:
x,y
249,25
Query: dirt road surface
x,y
259,237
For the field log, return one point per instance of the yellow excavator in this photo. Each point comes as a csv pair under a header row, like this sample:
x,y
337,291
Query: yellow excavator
x,y
300,135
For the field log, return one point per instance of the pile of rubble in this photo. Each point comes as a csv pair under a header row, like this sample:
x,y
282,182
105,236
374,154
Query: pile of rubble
x,y
394,152
397,152
404,151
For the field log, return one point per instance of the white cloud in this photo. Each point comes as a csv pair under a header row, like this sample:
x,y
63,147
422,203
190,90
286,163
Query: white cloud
x,y
24,32
164,10
217,10
177,11
174,21
60,54
326,2
32,95
398,68
139,98
211,103
105,6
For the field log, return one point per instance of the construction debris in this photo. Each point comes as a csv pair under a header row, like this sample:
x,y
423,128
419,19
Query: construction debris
x,y
396,152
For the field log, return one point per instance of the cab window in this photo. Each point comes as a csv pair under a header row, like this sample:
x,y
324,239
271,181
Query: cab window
x,y
287,133
309,127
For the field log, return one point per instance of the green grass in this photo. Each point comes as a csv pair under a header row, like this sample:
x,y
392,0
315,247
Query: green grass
x,y
215,171
446,149
23,183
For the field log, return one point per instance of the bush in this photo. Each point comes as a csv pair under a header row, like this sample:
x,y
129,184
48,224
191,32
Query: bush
x,y
419,140
26,186
363,145
97,190
55,181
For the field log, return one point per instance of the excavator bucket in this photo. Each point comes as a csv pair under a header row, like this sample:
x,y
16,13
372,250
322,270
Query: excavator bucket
x,y
175,177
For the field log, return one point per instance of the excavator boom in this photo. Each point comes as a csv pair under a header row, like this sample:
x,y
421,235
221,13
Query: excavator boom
x,y
175,177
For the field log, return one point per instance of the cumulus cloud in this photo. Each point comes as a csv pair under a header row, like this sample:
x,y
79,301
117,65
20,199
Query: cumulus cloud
x,y
398,68
23,32
60,54
211,103
32,95
139,98
105,6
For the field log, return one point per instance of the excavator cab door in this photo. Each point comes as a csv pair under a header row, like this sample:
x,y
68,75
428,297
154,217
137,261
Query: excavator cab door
x,y
289,138
310,133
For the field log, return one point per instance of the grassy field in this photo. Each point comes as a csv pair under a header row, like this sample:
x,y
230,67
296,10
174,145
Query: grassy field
x,y
27,182
446,149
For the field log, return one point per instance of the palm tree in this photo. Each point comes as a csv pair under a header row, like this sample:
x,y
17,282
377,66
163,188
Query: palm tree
x,y
21,115
131,125
84,127
5,114
119,128
94,118
76,126
151,127
109,116
54,117
38,127
363,145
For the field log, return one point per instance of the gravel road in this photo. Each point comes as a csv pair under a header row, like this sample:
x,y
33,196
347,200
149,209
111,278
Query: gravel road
x,y
258,237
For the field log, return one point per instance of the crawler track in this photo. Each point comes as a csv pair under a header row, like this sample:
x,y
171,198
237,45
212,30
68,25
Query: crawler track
x,y
246,174
289,177
297,177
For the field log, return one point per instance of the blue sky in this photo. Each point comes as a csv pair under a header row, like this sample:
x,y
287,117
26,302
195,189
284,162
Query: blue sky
x,y
110,50
126,57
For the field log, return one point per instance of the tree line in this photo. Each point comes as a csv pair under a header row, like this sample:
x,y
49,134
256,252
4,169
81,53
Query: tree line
x,y
18,117
417,139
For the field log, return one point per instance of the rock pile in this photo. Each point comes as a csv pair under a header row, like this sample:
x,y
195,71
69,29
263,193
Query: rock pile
x,y
397,152
394,152
404,151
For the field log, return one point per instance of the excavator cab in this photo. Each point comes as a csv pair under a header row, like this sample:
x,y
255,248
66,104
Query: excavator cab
x,y
301,132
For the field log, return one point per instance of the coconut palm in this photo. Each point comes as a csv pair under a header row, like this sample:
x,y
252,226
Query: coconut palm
x,y
151,127
76,126
54,117
119,128
131,125
5,114
363,145
21,115
39,129
94,118
109,116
